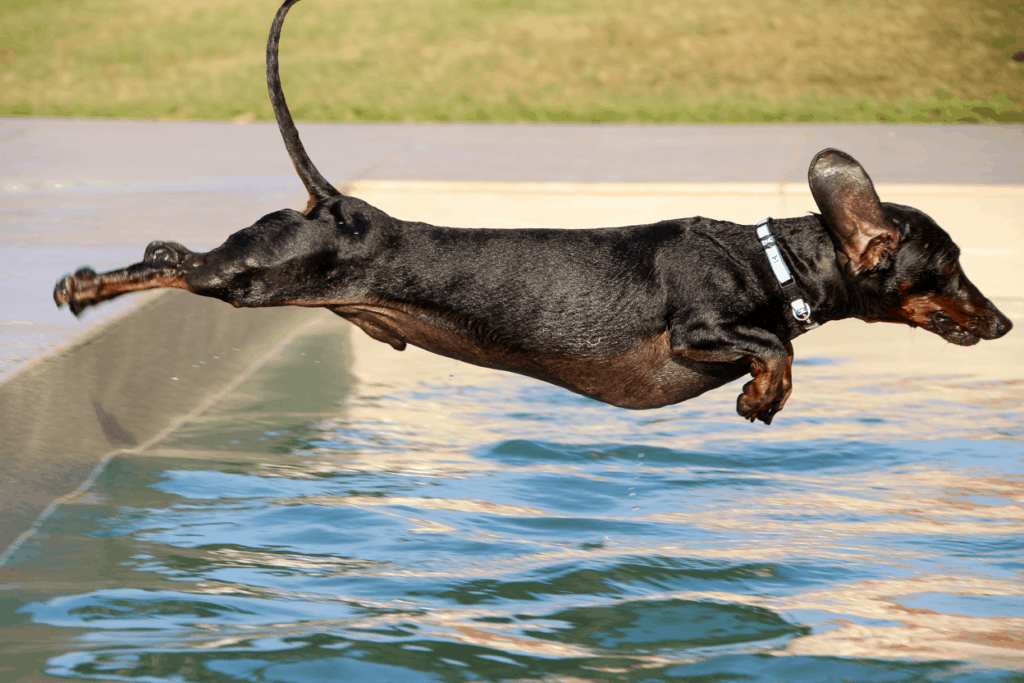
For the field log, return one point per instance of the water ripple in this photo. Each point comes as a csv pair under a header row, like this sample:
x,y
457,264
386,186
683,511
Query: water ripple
x,y
525,534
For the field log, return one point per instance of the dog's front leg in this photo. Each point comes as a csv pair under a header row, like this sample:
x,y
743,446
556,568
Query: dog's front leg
x,y
767,393
733,350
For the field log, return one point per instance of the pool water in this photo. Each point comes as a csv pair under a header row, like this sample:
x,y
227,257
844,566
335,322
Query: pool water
x,y
324,523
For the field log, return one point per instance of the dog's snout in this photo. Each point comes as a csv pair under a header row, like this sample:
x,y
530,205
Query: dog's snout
x,y
983,318
999,325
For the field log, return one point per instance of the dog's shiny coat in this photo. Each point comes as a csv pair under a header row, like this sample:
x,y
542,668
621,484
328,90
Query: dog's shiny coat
x,y
639,317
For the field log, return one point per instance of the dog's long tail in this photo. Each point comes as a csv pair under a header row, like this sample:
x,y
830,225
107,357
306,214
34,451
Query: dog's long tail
x,y
318,187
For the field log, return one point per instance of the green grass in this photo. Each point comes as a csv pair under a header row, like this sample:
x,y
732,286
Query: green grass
x,y
520,60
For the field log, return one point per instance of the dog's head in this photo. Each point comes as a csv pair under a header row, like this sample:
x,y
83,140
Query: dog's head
x,y
906,267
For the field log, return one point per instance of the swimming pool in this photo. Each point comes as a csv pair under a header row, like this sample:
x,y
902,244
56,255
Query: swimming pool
x,y
347,513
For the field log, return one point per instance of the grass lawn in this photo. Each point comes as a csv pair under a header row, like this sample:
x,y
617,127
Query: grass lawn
x,y
520,60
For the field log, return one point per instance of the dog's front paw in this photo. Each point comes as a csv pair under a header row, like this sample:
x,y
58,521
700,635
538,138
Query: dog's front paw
x,y
756,404
752,409
77,291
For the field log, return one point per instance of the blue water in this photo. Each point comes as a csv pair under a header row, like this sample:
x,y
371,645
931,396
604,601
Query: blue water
x,y
312,528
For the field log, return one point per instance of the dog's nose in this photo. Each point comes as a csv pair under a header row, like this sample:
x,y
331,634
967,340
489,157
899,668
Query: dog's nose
x,y
998,325
1003,325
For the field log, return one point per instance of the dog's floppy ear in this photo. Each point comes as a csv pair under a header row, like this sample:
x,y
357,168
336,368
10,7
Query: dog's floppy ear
x,y
863,236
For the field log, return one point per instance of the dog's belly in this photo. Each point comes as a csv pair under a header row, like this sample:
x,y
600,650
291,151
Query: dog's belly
x,y
645,374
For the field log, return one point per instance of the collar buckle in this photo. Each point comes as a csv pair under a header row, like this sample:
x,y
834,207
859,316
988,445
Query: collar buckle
x,y
801,311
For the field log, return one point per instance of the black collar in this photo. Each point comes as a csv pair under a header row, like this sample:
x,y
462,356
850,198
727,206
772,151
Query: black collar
x,y
791,290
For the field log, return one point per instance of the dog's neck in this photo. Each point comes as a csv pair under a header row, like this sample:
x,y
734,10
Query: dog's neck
x,y
811,257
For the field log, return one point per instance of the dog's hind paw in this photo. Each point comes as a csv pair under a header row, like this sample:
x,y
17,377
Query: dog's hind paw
x,y
165,254
76,291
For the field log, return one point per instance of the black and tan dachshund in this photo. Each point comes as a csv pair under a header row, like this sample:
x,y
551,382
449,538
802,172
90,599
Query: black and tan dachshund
x,y
638,317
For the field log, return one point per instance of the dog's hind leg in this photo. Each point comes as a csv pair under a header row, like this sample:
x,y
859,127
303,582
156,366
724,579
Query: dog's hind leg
x,y
161,267
285,258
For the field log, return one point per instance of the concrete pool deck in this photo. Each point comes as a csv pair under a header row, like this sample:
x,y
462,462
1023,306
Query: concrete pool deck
x,y
76,192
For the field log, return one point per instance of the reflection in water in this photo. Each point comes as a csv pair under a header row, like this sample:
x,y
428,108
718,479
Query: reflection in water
x,y
444,523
